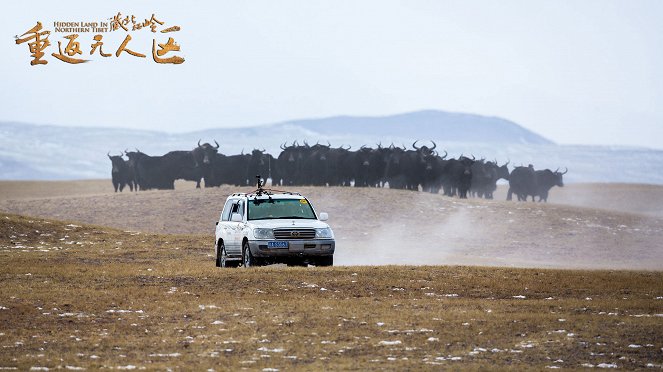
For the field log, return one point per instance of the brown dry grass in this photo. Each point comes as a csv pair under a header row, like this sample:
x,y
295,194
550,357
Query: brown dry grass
x,y
92,297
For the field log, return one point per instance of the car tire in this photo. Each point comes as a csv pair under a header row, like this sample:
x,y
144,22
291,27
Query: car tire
x,y
218,253
247,257
297,262
325,261
224,257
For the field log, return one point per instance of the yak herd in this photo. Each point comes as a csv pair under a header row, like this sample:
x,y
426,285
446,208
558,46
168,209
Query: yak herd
x,y
419,168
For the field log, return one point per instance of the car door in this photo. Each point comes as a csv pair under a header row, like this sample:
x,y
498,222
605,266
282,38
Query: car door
x,y
234,248
224,228
239,226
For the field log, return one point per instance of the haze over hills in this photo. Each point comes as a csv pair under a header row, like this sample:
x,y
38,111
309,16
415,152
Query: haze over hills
x,y
447,126
29,151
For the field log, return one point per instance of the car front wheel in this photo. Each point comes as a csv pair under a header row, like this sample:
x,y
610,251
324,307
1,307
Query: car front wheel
x,y
219,249
325,261
224,257
247,258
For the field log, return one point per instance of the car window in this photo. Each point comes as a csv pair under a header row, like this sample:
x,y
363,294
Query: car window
x,y
225,216
261,209
240,208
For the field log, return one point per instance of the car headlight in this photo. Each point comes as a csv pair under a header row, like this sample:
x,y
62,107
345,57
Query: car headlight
x,y
325,233
263,233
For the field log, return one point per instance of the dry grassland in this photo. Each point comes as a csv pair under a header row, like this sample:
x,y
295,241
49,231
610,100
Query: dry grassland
x,y
76,296
382,226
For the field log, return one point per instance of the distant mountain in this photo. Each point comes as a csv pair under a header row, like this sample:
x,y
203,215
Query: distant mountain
x,y
447,126
29,151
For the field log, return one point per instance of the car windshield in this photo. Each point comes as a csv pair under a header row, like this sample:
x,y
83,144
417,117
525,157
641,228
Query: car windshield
x,y
264,209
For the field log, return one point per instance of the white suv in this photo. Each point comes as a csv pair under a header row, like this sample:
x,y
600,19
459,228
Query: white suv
x,y
266,227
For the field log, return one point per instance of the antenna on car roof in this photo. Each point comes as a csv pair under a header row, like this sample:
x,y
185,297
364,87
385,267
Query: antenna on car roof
x,y
260,183
261,190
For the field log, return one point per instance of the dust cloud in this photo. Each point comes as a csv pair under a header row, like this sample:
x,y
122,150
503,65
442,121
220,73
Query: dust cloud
x,y
433,239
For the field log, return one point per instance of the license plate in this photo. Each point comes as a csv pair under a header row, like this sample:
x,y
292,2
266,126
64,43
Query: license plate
x,y
277,244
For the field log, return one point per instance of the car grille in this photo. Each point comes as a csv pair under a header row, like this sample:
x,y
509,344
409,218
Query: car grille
x,y
294,234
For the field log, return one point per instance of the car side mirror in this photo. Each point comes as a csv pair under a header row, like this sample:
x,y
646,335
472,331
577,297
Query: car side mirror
x,y
324,216
236,217
217,223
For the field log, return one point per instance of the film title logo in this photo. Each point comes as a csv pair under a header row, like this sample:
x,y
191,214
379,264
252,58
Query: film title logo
x,y
69,48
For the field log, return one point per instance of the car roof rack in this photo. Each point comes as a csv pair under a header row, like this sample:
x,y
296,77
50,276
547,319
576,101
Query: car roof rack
x,y
260,191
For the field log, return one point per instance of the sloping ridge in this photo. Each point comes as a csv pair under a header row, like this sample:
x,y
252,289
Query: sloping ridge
x,y
449,126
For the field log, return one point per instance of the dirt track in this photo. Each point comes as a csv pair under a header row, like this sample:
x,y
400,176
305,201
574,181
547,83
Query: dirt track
x,y
598,226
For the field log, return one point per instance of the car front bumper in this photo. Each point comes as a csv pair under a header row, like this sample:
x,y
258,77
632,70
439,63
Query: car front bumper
x,y
296,248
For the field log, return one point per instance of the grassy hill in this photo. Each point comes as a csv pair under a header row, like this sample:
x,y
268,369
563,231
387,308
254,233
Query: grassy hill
x,y
383,226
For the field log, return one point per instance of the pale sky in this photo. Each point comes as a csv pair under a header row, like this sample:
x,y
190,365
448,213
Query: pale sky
x,y
576,72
